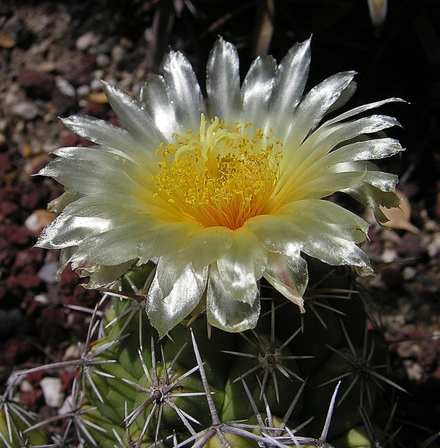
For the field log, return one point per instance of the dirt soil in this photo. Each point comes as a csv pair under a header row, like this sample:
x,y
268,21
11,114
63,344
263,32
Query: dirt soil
x,y
52,57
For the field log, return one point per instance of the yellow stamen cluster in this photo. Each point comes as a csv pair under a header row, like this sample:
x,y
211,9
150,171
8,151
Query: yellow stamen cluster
x,y
220,176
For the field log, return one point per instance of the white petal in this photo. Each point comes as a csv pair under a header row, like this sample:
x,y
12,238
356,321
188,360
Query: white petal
x,y
58,204
67,231
345,96
154,99
223,82
175,292
290,80
112,247
103,275
363,150
384,181
332,232
164,238
136,121
316,104
103,133
242,266
183,90
323,211
206,246
143,238
277,234
361,109
289,276
65,255
323,140
119,207
95,170
325,184
225,312
325,244
256,91
328,136
372,197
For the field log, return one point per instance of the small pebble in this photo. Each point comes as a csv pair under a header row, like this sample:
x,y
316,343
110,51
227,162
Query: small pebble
x,y
102,60
72,352
48,272
409,273
26,386
25,109
433,248
83,90
413,370
41,298
52,391
3,124
68,406
96,84
87,40
65,87
118,53
389,255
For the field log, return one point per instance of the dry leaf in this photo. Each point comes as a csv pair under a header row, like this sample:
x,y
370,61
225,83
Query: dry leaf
x,y
398,217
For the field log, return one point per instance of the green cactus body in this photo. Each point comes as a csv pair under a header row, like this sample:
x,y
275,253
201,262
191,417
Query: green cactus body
x,y
358,388
233,440
151,391
355,438
212,348
262,376
14,428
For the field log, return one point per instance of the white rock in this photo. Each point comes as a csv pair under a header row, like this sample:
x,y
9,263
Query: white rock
x,y
409,273
25,109
26,386
389,255
3,124
102,60
67,406
48,272
87,40
65,87
52,391
41,298
83,90
96,84
118,53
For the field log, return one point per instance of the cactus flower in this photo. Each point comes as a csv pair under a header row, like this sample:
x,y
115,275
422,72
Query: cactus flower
x,y
224,191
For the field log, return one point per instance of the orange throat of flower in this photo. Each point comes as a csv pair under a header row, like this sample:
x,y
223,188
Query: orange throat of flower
x,y
220,176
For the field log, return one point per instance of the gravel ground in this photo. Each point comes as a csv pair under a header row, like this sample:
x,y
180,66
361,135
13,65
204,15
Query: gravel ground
x,y
52,56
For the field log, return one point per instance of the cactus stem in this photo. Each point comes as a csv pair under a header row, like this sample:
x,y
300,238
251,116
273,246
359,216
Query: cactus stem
x,y
160,393
270,360
363,369
219,429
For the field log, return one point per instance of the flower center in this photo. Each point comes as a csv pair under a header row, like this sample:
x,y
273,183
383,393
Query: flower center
x,y
220,176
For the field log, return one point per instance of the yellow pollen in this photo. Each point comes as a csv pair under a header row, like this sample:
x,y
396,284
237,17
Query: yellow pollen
x,y
220,176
